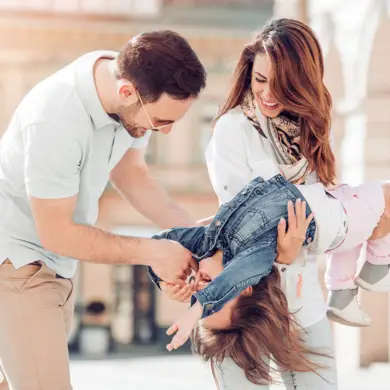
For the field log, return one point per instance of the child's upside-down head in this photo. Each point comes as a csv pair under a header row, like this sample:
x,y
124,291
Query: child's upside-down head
x,y
252,329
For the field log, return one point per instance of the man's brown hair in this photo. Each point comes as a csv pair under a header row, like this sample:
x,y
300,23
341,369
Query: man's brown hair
x,y
161,62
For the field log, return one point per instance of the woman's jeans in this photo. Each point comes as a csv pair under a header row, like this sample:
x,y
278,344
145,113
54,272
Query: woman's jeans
x,y
318,337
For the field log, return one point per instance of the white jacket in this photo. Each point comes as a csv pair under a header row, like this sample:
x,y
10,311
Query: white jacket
x,y
235,155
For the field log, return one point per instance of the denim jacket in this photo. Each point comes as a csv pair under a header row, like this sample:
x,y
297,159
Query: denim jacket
x,y
245,230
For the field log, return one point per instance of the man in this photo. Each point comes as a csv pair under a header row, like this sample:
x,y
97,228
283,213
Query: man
x,y
86,124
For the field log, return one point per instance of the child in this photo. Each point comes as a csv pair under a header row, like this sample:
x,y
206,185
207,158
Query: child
x,y
245,230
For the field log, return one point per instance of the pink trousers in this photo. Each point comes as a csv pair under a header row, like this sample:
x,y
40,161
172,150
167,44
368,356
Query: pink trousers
x,y
364,206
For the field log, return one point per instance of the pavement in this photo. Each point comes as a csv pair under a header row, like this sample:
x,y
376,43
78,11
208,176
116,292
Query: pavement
x,y
153,368
185,372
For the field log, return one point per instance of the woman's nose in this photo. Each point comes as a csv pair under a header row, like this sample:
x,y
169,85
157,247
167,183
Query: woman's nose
x,y
266,94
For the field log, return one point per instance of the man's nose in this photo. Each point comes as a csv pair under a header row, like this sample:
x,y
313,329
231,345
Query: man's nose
x,y
166,130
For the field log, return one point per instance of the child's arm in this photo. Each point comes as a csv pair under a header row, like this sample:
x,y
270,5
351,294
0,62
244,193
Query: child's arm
x,y
177,292
183,327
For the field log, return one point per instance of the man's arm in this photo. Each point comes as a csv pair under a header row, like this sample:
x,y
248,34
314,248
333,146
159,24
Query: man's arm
x,y
133,180
53,156
60,234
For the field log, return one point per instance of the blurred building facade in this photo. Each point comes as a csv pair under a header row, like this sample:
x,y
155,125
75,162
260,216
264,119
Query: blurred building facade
x,y
39,38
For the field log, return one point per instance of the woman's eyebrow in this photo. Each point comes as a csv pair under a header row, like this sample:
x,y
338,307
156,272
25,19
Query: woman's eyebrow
x,y
259,74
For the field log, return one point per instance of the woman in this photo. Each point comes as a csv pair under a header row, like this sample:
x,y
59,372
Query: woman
x,y
276,119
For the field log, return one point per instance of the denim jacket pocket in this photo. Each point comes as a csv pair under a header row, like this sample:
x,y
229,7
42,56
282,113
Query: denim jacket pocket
x,y
247,226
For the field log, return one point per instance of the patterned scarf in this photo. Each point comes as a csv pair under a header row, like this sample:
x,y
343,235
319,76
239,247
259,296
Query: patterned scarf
x,y
283,132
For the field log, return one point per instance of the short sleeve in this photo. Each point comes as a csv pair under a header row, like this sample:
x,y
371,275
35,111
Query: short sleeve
x,y
142,142
53,158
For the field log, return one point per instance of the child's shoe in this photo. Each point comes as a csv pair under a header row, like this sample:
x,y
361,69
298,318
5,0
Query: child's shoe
x,y
344,308
374,278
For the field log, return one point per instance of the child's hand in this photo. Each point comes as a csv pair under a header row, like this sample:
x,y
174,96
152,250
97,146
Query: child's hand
x,y
177,292
184,326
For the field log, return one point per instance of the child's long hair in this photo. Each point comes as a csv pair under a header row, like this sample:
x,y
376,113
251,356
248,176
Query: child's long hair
x,y
261,329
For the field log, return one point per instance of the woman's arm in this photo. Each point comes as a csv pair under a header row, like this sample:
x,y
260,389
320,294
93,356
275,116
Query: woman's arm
x,y
229,171
226,158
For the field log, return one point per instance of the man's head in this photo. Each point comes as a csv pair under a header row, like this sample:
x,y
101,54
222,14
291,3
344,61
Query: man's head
x,y
159,76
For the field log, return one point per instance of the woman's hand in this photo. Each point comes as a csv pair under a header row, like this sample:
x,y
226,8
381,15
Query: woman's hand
x,y
290,242
183,327
177,292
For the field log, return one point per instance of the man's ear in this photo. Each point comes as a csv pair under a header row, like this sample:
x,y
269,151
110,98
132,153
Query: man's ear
x,y
127,92
248,291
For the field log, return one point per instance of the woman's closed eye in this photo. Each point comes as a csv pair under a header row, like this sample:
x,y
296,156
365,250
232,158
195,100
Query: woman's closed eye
x,y
260,80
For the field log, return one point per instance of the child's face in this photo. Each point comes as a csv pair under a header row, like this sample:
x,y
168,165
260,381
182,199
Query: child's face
x,y
209,269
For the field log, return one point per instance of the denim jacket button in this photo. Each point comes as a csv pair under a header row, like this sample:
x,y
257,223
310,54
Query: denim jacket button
x,y
218,223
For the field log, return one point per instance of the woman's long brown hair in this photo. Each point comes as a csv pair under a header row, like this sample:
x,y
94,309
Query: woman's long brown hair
x,y
296,81
261,330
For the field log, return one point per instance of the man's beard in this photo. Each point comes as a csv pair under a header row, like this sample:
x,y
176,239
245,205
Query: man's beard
x,y
131,127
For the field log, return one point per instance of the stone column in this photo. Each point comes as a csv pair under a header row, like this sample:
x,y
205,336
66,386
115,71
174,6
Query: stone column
x,y
361,124
352,27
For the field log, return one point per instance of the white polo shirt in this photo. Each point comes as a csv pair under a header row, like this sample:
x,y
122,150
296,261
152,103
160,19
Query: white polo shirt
x,y
59,143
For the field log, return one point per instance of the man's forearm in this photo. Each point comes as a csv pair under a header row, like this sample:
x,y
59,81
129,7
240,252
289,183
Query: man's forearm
x,y
146,194
95,245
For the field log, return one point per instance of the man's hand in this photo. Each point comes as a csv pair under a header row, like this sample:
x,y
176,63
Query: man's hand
x,y
290,242
177,292
183,327
172,262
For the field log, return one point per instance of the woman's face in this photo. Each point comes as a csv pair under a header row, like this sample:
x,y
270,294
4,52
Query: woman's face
x,y
267,103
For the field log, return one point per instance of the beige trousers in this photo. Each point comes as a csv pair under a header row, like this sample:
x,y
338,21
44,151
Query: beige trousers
x,y
36,310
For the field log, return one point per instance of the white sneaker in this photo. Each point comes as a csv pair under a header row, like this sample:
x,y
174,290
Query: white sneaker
x,y
344,308
374,278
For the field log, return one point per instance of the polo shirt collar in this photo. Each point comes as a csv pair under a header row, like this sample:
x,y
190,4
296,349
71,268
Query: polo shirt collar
x,y
86,88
